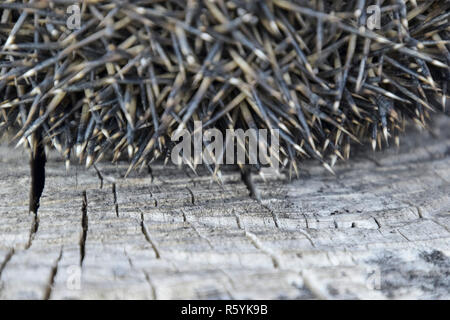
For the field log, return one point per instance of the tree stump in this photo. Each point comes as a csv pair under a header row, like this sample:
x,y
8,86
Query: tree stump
x,y
379,228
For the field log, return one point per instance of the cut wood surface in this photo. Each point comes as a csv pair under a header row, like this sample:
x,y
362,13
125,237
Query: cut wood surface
x,y
379,228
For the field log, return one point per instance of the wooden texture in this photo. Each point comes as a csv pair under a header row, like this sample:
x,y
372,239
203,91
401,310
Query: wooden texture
x,y
380,228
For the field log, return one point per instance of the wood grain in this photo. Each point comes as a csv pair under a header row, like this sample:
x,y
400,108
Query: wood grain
x,y
380,228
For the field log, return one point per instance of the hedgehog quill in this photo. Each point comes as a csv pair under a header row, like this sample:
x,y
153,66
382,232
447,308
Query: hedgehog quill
x,y
326,74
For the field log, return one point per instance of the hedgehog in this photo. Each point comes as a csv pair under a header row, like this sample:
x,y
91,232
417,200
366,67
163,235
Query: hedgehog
x,y
109,78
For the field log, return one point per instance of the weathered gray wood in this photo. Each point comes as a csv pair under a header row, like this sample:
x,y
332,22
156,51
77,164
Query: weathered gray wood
x,y
378,229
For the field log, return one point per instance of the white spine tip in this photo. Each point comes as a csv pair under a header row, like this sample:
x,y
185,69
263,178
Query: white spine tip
x,y
89,161
78,150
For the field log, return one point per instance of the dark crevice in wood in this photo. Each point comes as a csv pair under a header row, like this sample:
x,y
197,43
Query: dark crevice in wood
x,y
152,287
405,237
306,220
273,214
188,223
184,216
154,199
116,205
84,226
192,195
238,220
446,227
33,230
202,236
307,236
5,261
148,238
260,246
419,212
146,275
51,281
37,168
377,222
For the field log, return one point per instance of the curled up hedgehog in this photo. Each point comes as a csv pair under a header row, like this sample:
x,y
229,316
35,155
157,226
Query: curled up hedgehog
x,y
110,78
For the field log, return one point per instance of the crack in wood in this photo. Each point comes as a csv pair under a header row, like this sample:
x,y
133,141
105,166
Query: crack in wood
x,y
411,205
202,236
196,230
259,245
192,195
400,233
419,212
6,260
84,226
184,216
53,272
146,276
307,237
274,215
154,199
306,220
255,194
225,286
442,225
33,229
147,236
377,222
116,204
151,285
230,281
238,220
37,171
